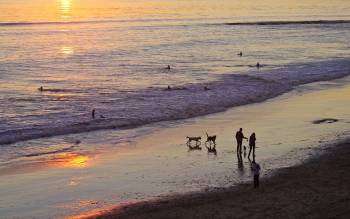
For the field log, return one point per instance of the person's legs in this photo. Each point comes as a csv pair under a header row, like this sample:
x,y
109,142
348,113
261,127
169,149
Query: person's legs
x,y
250,150
240,146
254,181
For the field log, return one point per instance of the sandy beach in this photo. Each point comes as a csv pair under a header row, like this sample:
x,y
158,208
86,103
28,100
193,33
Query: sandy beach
x,y
103,172
318,188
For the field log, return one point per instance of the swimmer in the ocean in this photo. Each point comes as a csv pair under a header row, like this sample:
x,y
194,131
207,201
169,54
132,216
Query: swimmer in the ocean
x,y
240,54
258,65
41,88
93,113
168,67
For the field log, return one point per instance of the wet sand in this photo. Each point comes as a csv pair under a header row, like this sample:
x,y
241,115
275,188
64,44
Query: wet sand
x,y
319,188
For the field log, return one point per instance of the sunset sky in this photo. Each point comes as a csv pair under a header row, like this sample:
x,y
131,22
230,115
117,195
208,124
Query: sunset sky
x,y
68,10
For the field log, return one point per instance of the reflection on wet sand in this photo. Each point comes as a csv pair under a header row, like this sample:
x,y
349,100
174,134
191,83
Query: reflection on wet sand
x,y
64,160
71,160
96,213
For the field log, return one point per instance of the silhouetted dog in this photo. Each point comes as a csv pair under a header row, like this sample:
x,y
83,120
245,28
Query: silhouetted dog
x,y
193,148
211,138
196,139
211,150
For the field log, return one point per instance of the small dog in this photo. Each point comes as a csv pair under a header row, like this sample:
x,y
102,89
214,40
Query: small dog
x,y
211,150
211,138
196,139
194,148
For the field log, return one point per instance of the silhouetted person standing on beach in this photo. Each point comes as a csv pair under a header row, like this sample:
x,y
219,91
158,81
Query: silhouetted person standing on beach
x,y
256,173
258,65
239,138
252,140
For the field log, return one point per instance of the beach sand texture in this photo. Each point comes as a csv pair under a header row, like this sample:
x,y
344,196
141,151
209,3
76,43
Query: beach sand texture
x,y
317,189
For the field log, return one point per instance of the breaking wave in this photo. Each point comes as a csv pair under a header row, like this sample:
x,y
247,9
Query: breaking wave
x,y
157,104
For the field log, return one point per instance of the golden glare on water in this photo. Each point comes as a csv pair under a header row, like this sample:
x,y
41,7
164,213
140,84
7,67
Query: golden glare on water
x,y
66,50
66,8
72,161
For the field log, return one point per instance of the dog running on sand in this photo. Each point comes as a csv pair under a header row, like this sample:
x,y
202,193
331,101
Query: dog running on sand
x,y
211,139
196,139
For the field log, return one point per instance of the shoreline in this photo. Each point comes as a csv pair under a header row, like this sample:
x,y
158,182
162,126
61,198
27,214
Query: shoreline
x,y
269,84
317,188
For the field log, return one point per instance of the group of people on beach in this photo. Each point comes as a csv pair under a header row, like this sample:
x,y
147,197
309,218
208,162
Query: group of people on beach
x,y
239,138
255,166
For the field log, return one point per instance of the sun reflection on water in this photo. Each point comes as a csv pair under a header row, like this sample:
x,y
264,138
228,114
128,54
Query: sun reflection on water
x,y
66,8
66,50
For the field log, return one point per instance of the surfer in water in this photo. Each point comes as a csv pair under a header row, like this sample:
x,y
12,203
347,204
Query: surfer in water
x,y
258,65
93,113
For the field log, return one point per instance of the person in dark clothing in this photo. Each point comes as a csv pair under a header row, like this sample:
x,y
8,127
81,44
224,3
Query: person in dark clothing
x,y
252,140
239,138
256,173
93,113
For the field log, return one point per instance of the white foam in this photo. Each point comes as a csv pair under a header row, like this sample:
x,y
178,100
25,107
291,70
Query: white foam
x,y
154,104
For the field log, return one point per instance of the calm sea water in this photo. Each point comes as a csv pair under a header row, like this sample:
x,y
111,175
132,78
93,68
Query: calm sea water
x,y
112,56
